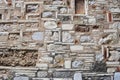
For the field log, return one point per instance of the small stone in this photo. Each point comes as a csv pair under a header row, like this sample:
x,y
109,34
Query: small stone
x,y
42,65
37,36
67,64
116,25
59,61
63,74
21,78
42,74
63,10
55,36
50,25
99,57
67,26
46,59
92,20
110,39
77,76
117,76
77,63
57,2
66,37
47,14
85,39
76,48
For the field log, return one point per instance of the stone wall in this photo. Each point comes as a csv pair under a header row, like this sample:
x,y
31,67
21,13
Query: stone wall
x,y
53,39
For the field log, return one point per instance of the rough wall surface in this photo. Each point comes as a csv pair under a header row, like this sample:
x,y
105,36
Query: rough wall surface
x,y
59,39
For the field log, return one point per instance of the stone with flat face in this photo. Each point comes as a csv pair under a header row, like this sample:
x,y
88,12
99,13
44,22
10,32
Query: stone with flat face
x,y
117,76
21,78
77,76
50,25
37,36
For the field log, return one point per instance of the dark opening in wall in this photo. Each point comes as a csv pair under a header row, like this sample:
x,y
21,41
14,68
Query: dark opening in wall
x,y
0,16
81,28
80,6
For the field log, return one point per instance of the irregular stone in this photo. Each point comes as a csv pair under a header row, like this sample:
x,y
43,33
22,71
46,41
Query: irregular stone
x,y
59,61
85,39
116,25
55,36
99,57
47,14
77,63
111,38
50,47
66,37
114,56
99,66
77,76
63,10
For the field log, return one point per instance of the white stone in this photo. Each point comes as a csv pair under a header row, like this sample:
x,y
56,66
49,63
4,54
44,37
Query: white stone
x,y
46,59
63,10
42,65
18,4
85,39
50,25
67,64
111,70
21,78
117,76
77,76
37,36
55,36
50,47
92,20
32,44
76,48
116,25
66,37
1,1
57,2
117,9
99,57
47,14
67,26
49,7
31,29
114,56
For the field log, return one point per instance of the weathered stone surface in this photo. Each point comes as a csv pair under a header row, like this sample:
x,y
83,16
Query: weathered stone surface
x,y
50,25
77,76
21,78
53,39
